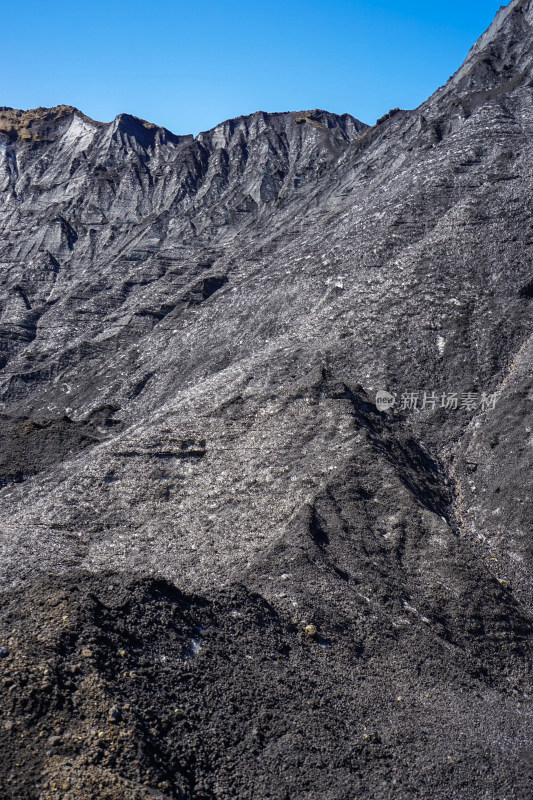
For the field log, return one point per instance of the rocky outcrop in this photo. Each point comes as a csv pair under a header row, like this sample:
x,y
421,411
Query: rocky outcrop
x,y
192,335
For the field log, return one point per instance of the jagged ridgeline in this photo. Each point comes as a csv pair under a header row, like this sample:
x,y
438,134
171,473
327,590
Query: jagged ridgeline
x,y
225,571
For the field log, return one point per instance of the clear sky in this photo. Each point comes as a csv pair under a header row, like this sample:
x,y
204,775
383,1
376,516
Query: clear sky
x,y
189,66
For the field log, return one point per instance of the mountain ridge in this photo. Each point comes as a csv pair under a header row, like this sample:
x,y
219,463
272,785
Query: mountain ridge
x,y
220,559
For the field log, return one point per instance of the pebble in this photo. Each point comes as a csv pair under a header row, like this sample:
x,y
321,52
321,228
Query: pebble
x,y
114,714
4,652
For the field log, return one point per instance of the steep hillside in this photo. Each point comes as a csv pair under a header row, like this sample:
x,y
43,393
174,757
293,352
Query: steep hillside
x,y
226,572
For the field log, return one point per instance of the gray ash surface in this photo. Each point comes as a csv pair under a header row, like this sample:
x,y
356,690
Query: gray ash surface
x,y
225,572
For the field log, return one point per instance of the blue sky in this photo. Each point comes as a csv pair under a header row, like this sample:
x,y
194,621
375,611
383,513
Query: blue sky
x,y
189,66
